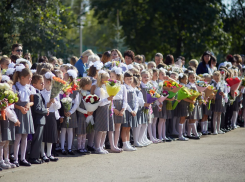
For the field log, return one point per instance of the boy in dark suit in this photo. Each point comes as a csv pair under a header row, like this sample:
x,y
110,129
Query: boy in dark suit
x,y
39,111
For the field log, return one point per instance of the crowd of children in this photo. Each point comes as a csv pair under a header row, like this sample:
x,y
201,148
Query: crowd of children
x,y
126,118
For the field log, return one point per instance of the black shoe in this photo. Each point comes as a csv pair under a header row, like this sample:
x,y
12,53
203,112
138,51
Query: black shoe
x,y
204,133
86,152
45,159
55,154
53,159
80,151
16,163
70,152
1,169
35,161
24,163
194,137
11,158
91,149
63,151
168,139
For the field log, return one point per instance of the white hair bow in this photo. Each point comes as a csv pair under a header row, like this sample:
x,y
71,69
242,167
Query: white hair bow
x,y
98,65
117,70
102,71
49,75
72,73
33,71
11,65
5,78
164,70
18,61
20,67
68,64
181,75
205,74
189,71
10,71
130,66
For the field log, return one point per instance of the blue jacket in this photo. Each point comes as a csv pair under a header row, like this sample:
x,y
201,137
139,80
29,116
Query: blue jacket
x,y
201,69
80,67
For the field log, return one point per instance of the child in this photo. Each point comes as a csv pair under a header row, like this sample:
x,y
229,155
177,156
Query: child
x,y
143,86
140,113
195,115
206,112
219,105
181,110
39,111
7,130
132,108
50,135
103,123
151,65
85,85
157,110
68,125
4,63
119,106
22,78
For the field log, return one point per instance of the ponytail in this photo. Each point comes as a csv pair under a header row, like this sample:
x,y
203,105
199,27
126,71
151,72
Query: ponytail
x,y
18,74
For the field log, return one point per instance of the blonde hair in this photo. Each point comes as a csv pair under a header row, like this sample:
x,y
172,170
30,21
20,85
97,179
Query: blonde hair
x,y
174,73
193,62
119,76
137,67
145,72
216,73
100,77
93,58
152,63
139,58
52,59
84,81
119,53
88,53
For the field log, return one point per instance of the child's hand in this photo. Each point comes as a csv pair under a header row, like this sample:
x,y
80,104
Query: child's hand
x,y
222,93
17,123
160,105
172,99
110,98
147,105
89,113
27,106
48,111
68,114
133,113
61,120
23,110
116,111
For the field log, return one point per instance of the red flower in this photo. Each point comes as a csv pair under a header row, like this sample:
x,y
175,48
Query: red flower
x,y
84,97
89,97
95,99
87,100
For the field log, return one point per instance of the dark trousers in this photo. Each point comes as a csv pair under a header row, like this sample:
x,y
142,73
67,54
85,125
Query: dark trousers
x,y
37,141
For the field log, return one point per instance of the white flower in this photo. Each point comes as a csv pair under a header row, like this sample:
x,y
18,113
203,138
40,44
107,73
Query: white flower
x,y
4,86
91,100
160,84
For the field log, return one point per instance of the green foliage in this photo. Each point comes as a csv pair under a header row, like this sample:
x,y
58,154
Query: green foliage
x,y
179,27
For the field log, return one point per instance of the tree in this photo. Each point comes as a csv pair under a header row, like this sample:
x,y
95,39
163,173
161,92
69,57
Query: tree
x,y
179,27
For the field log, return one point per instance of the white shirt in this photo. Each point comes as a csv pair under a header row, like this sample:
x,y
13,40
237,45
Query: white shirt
x,y
122,95
140,99
155,84
83,93
102,94
193,85
54,106
75,103
24,91
131,89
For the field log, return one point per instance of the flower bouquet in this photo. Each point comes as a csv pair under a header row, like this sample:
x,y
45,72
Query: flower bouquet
x,y
182,94
172,87
108,65
234,83
91,103
112,87
67,104
7,97
201,86
115,63
194,95
151,96
57,85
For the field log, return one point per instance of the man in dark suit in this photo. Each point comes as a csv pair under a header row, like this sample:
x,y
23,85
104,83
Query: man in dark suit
x,y
39,111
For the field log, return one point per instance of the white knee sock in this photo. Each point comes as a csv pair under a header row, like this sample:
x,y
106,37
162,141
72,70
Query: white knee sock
x,y
16,146
150,131
62,138
102,142
1,150
206,126
189,129
164,131
83,141
116,136
79,141
142,133
215,117
70,137
194,129
180,130
91,138
218,121
136,134
154,127
6,150
234,118
23,146
203,126
49,148
160,127
42,149
98,137
111,139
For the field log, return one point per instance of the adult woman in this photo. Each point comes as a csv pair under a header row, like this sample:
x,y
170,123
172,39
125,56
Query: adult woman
x,y
80,64
106,57
129,57
116,55
212,64
169,59
203,66
27,56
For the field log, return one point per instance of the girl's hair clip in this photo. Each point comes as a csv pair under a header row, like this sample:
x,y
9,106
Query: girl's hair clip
x,y
20,68
49,75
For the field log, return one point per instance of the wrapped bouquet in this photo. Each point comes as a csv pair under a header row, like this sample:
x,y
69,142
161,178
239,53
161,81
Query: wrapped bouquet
x,y
234,83
182,94
172,87
112,87
67,104
201,86
57,85
193,97
91,103
7,97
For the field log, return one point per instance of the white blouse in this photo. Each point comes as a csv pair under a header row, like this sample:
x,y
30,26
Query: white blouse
x,y
130,88
83,93
54,106
193,85
75,103
122,95
140,99
155,84
24,91
103,95
11,115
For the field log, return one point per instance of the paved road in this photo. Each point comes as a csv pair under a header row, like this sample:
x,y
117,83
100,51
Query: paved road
x,y
213,158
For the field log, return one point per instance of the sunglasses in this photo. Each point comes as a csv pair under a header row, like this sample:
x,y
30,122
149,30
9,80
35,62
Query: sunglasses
x,y
19,50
